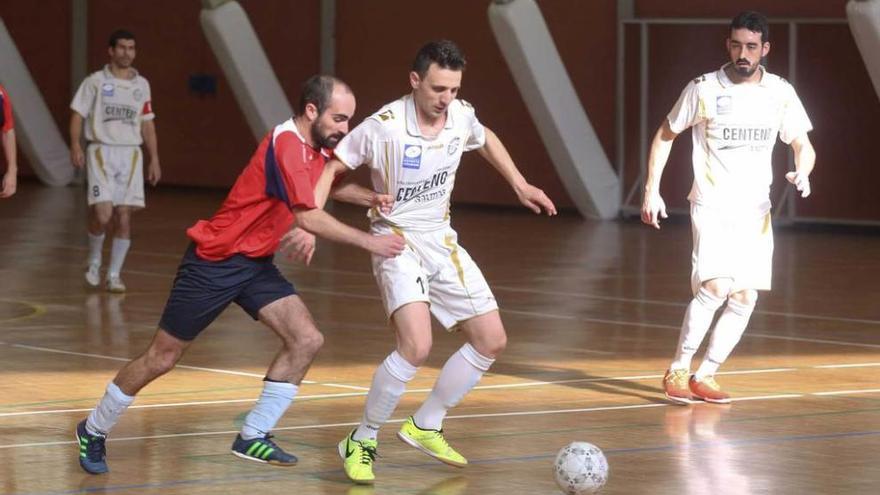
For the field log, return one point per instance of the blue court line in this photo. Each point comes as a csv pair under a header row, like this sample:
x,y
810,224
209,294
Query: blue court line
x,y
497,460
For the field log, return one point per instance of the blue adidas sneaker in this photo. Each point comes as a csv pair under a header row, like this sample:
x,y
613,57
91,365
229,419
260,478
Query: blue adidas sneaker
x,y
92,452
262,450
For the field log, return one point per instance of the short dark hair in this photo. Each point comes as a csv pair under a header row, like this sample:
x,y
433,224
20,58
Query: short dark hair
x,y
444,53
318,90
754,22
120,34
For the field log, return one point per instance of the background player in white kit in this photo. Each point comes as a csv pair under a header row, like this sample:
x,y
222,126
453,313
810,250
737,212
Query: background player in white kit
x,y
116,106
413,147
736,113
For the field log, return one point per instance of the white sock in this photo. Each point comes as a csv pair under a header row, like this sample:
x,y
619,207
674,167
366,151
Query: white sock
x,y
117,256
728,331
459,375
96,244
697,320
108,411
274,401
389,383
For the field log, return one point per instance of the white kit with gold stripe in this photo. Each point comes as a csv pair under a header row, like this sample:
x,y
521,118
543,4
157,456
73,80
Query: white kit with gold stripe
x,y
419,173
734,130
115,175
114,110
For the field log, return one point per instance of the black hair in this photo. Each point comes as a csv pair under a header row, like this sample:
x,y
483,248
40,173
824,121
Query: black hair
x,y
444,53
754,22
120,34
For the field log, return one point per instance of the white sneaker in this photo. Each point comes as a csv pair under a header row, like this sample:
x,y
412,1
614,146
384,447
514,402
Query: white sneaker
x,y
114,284
93,275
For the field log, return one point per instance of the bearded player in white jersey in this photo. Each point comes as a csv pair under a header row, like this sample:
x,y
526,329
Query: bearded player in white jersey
x,y
116,106
736,113
413,147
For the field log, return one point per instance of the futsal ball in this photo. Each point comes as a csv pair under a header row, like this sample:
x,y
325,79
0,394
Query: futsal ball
x,y
580,468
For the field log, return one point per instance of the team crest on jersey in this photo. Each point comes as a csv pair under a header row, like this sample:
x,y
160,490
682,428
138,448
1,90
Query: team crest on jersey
x,y
412,156
137,94
107,89
453,146
724,104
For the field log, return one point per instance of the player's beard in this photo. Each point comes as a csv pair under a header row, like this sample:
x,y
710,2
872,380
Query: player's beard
x,y
328,141
744,71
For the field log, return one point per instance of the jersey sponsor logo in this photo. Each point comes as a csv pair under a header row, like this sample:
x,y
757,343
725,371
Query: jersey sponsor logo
x,y
746,133
724,104
108,89
412,156
453,146
754,139
422,190
119,112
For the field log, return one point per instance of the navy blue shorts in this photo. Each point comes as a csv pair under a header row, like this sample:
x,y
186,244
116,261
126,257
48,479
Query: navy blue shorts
x,y
203,289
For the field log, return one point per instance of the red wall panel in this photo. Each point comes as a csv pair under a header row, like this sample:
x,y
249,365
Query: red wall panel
x,y
375,58
205,141
43,42
727,9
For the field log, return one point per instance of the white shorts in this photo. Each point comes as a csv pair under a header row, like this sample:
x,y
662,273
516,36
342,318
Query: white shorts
x,y
433,268
736,246
115,175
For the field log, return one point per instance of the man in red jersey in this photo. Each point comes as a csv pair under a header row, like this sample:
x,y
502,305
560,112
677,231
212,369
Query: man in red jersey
x,y
230,260
7,137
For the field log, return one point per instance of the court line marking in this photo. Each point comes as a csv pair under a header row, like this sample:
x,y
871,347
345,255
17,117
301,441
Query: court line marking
x,y
678,327
409,391
392,421
618,322
845,392
295,267
678,304
203,482
307,290
183,366
37,309
851,365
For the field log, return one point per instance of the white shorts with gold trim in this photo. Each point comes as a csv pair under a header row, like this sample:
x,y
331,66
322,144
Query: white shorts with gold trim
x,y
736,246
115,174
433,268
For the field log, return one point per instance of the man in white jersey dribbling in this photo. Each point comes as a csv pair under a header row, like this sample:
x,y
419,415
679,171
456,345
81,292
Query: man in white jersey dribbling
x,y
736,113
116,107
413,147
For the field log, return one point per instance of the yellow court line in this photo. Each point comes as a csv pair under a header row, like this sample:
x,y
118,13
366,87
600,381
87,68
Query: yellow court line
x,y
37,310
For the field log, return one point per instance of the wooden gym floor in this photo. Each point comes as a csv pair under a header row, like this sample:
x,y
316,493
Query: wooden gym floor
x,y
592,311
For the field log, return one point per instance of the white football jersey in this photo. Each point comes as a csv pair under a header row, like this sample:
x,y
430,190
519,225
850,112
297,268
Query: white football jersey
x,y
734,131
113,108
418,172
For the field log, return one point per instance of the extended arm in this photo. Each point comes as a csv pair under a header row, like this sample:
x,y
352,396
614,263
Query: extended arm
x,y
804,161
77,157
653,206
154,171
301,245
496,154
10,177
